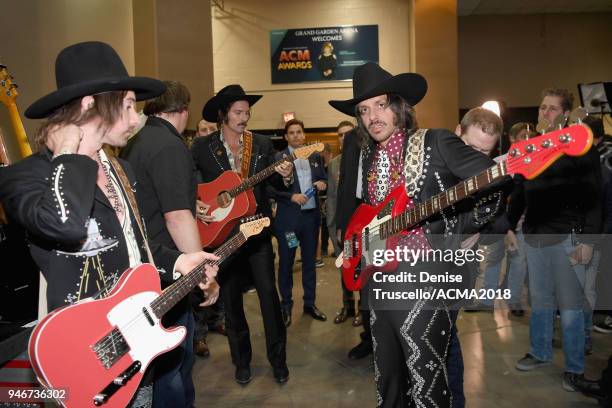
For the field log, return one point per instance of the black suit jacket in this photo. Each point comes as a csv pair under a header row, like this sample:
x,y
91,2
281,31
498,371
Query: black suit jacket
x,y
448,160
287,211
211,160
54,200
347,201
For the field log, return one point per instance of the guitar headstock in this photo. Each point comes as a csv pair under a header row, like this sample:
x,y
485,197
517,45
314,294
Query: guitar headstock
x,y
305,151
531,157
8,90
254,225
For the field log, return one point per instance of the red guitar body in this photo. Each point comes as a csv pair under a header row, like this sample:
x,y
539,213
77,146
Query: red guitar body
x,y
62,345
360,239
226,210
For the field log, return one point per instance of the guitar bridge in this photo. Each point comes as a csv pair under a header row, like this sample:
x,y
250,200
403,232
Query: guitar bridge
x,y
110,348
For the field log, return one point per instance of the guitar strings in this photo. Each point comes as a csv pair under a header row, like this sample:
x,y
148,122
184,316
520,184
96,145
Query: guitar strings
x,y
222,253
509,160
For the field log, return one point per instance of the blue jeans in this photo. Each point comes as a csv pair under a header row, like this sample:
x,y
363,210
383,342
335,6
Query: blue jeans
x,y
173,385
590,293
495,255
555,283
517,268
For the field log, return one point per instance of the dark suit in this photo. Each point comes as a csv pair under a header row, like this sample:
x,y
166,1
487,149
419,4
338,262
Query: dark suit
x,y
255,257
291,218
446,160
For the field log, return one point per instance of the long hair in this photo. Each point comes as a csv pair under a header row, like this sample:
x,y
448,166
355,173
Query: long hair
x,y
404,117
107,106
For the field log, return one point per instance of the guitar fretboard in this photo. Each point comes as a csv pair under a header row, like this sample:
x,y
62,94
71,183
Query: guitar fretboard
x,y
439,202
259,177
172,294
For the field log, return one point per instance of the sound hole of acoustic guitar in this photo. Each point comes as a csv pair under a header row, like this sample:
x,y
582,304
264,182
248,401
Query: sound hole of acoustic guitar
x,y
224,199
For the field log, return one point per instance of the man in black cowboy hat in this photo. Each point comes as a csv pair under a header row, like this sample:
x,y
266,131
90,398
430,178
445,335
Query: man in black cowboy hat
x,y
72,197
235,148
410,337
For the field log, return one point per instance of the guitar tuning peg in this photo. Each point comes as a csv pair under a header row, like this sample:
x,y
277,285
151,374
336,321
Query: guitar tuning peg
x,y
578,115
559,122
543,126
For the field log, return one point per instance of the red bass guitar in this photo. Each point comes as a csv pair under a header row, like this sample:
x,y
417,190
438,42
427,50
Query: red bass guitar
x,y
230,197
98,350
379,227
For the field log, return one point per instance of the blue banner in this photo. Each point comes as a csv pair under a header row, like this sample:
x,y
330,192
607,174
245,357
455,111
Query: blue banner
x,y
321,54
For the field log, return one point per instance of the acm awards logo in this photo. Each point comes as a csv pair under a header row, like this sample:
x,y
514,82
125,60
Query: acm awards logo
x,y
296,59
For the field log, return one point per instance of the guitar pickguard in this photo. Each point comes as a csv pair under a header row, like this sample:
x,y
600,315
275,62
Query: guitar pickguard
x,y
371,241
145,340
222,212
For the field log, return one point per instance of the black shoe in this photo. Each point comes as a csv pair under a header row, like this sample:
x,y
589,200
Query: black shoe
x,y
315,313
343,315
604,325
518,312
286,317
361,350
243,375
478,307
577,382
281,374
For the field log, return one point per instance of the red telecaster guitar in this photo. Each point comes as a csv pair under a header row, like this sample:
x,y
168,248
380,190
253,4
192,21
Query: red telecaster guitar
x,y
98,350
379,227
230,197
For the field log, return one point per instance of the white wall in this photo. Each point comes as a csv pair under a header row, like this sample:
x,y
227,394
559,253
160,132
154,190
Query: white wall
x,y
34,31
241,51
515,57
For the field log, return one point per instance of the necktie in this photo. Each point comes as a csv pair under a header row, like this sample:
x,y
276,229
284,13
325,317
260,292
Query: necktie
x,y
382,179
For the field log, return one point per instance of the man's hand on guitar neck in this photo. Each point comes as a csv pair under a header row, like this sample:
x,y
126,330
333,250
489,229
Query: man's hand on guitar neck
x,y
284,169
189,261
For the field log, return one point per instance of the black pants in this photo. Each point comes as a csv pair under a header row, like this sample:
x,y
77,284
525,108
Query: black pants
x,y
255,258
410,353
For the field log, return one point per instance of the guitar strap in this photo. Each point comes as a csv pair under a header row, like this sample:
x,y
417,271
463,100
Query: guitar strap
x,y
413,162
125,184
247,149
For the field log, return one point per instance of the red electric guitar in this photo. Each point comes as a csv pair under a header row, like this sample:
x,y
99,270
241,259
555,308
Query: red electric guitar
x,y
379,227
98,350
230,197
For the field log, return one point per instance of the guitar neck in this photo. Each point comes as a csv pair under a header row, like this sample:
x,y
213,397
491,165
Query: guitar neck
x,y
22,138
439,202
259,177
178,290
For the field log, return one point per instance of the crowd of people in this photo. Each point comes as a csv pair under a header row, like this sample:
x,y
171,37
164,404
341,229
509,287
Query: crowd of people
x,y
547,234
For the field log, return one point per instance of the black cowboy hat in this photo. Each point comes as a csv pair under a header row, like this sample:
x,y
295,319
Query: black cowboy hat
x,y
370,80
230,93
90,68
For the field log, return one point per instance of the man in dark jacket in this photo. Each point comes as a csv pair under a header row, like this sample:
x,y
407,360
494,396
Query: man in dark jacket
x,y
227,149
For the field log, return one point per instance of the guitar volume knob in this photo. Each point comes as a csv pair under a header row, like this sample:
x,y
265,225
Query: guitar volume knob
x,y
515,152
530,148
547,143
